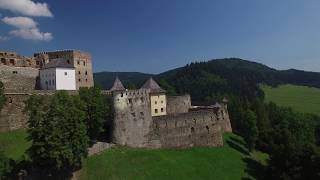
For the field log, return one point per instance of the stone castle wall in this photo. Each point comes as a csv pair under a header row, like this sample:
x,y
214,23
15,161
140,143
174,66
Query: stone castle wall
x,y
178,104
18,79
134,126
12,115
197,128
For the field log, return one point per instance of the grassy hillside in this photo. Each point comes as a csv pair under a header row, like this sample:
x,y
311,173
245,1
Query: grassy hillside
x,y
14,143
301,98
229,162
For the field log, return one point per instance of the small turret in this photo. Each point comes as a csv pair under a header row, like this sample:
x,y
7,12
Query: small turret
x,y
117,85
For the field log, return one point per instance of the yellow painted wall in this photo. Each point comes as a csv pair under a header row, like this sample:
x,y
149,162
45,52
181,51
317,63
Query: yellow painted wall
x,y
158,102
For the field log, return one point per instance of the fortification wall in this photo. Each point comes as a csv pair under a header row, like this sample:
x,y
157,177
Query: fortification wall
x,y
197,128
18,79
12,115
178,104
132,117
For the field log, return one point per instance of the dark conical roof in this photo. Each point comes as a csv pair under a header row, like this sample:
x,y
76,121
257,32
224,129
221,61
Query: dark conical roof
x,y
153,86
117,85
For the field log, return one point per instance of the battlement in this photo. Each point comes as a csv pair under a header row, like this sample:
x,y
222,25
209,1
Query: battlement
x,y
67,52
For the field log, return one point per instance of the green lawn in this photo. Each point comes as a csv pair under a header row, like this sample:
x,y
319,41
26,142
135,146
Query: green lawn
x,y
300,98
229,162
14,143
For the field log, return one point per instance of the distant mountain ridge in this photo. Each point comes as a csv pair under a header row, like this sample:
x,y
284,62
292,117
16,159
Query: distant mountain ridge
x,y
106,79
232,71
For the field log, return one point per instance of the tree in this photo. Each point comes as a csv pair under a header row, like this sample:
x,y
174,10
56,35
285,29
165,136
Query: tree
x,y
58,133
2,97
251,132
4,165
95,110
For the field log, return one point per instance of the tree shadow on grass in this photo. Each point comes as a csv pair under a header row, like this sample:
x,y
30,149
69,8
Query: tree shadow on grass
x,y
255,169
237,147
238,141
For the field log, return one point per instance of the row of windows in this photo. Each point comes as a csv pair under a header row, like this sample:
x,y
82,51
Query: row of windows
x,y
80,80
48,75
155,102
156,110
86,73
50,82
134,93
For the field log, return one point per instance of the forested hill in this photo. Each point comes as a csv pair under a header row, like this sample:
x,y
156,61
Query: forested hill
x,y
207,81
105,79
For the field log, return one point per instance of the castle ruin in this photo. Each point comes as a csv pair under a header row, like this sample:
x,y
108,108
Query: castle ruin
x,y
146,117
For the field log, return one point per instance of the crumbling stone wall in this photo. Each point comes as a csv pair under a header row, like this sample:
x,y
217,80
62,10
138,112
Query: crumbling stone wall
x,y
178,104
15,60
18,79
12,116
197,128
132,117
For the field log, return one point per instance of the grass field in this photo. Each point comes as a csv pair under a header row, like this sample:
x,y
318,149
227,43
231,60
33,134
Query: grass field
x,y
14,143
300,98
229,162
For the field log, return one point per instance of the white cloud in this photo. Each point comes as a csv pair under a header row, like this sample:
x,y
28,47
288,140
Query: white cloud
x,y
4,38
32,34
20,22
26,7
27,29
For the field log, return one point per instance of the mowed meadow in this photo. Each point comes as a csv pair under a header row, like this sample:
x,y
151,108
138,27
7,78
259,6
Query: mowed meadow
x,y
300,98
230,162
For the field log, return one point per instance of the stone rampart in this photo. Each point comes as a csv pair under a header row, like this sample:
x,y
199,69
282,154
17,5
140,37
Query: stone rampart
x,y
197,128
178,104
18,79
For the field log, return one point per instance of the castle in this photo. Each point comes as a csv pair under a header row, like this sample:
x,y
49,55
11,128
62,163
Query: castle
x,y
146,117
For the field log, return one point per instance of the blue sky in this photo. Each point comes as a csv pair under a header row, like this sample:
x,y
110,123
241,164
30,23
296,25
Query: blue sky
x,y
157,35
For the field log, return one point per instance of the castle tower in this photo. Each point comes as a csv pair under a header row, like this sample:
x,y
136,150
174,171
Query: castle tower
x,y
81,61
158,98
225,115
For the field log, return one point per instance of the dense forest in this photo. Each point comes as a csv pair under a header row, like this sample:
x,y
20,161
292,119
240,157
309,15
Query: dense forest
x,y
291,139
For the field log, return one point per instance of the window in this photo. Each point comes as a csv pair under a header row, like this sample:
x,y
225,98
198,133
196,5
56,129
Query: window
x,y
142,100
78,62
79,80
65,73
141,113
86,80
155,102
161,109
86,73
133,114
3,60
84,63
14,72
156,111
192,130
68,61
161,102
79,72
130,100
